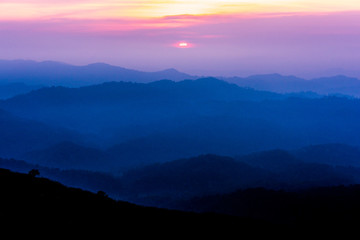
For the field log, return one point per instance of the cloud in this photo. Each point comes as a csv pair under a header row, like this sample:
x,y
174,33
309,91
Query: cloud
x,y
96,9
291,43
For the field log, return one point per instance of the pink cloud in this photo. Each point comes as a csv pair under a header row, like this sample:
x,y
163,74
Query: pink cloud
x,y
223,45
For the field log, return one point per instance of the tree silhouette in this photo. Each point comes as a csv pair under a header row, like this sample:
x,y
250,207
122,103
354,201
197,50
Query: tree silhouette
x,y
34,172
102,194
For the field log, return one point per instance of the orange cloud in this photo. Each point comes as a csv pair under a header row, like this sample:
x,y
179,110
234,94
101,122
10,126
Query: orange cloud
x,y
105,9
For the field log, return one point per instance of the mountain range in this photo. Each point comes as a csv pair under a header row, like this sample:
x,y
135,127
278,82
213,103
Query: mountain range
x,y
33,75
142,123
333,85
268,147
166,184
50,73
20,135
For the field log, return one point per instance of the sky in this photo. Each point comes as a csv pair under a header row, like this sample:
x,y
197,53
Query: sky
x,y
205,37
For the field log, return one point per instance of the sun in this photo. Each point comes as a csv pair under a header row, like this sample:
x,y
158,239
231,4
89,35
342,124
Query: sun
x,y
183,44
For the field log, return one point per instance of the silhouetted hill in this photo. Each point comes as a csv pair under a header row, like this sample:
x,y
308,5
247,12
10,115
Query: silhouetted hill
x,y
88,180
332,154
193,176
245,127
286,84
19,135
51,73
152,149
129,110
274,160
31,202
68,155
8,90
118,158
126,92
318,208
292,173
167,183
166,120
202,135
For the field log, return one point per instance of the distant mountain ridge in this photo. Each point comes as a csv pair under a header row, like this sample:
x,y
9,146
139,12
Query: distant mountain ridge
x,y
166,120
20,135
117,92
51,73
70,155
113,103
334,85
8,90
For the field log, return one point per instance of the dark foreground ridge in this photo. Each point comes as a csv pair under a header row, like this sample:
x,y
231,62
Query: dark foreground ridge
x,y
31,202
38,203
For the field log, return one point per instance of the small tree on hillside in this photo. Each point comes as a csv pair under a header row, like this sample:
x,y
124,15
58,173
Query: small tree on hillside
x,y
34,172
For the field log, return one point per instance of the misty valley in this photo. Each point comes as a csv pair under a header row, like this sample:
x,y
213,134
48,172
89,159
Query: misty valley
x,y
267,150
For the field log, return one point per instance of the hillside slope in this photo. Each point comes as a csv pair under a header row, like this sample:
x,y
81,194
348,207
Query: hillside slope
x,y
29,201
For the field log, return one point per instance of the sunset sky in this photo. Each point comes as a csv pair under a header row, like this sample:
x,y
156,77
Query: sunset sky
x,y
204,37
